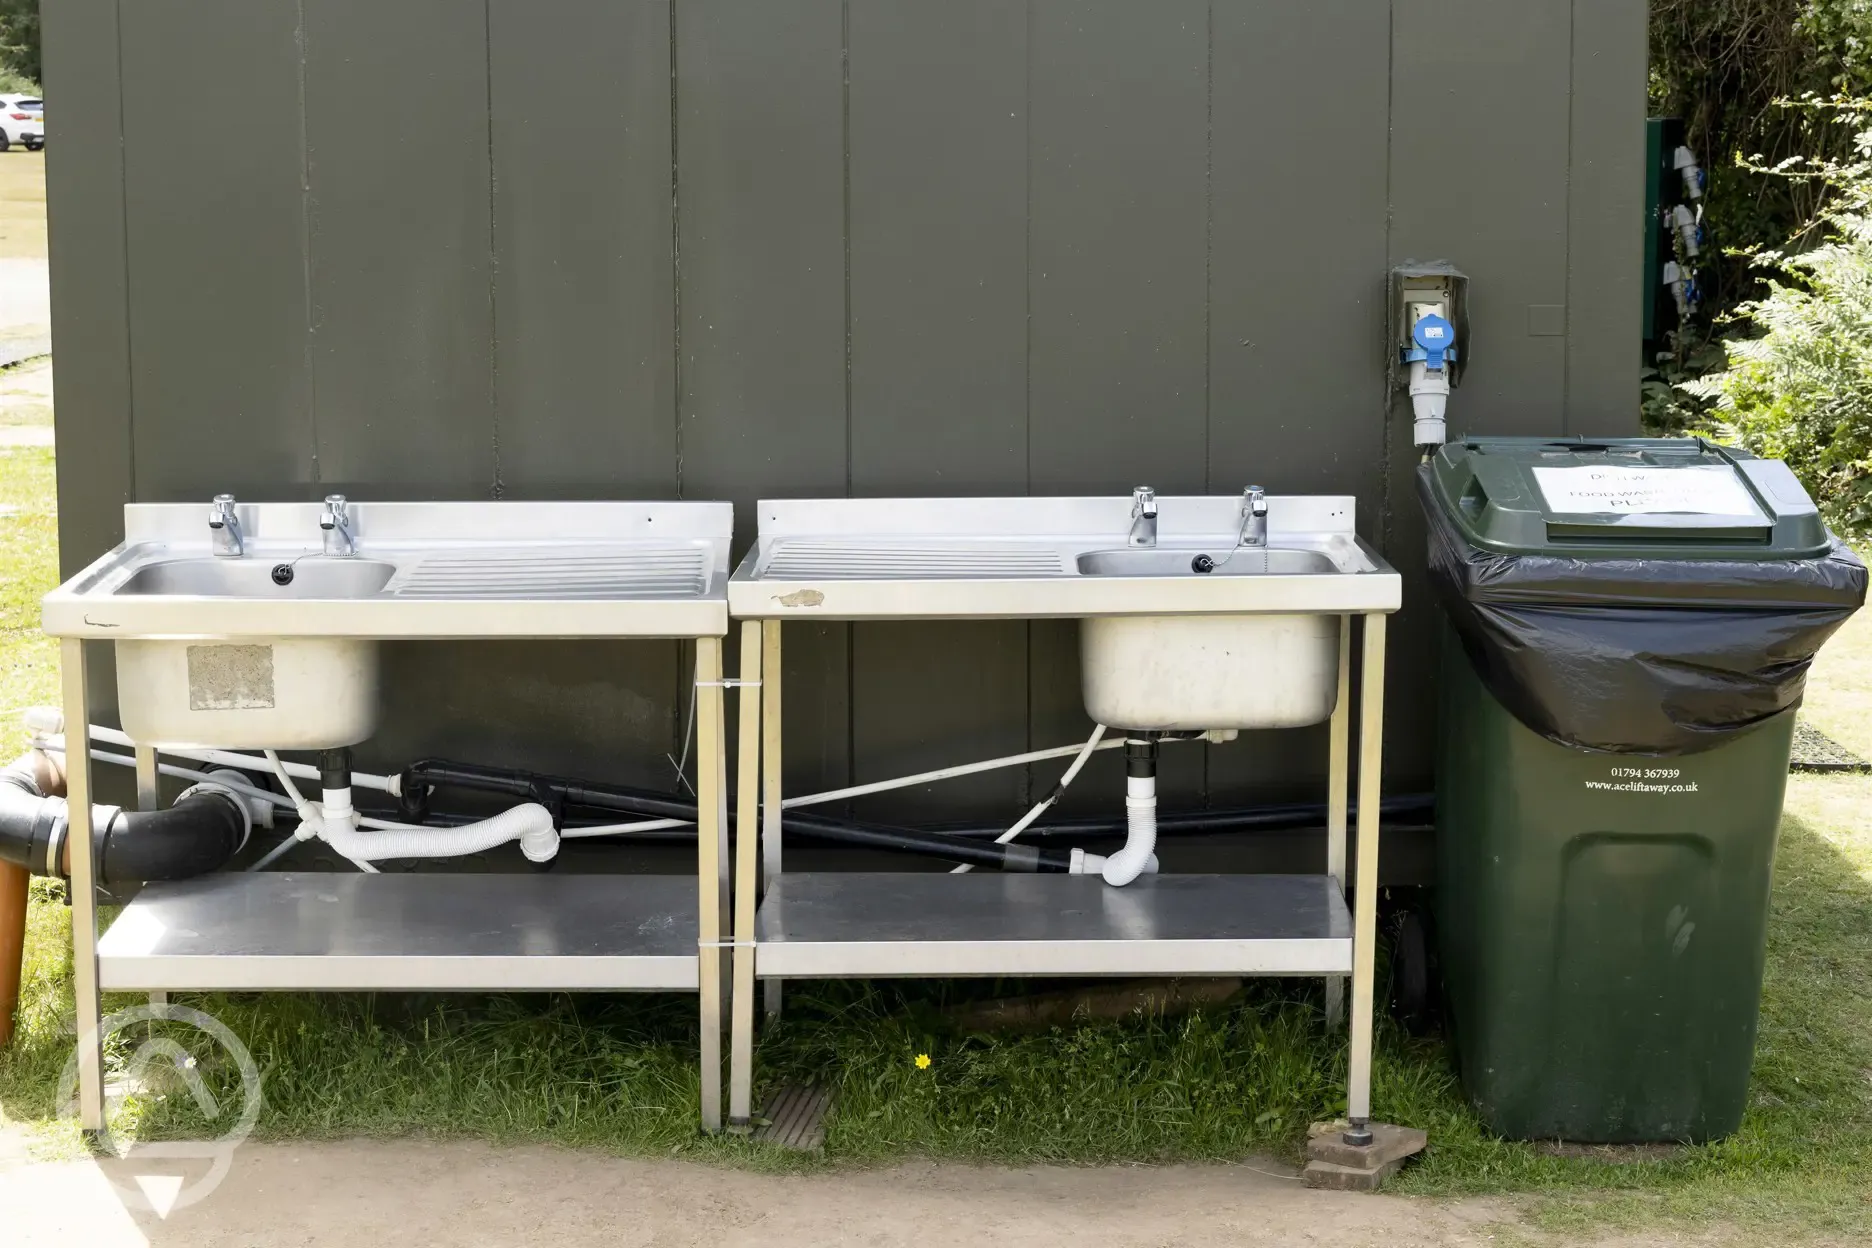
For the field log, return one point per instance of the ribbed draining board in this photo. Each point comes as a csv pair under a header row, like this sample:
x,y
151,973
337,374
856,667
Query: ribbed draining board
x,y
589,572
801,559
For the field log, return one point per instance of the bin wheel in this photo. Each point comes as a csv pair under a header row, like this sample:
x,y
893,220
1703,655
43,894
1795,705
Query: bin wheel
x,y
1413,1001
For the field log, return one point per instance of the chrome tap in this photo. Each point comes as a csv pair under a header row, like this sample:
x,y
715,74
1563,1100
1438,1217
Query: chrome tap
x,y
335,520
224,528
1254,517
1143,517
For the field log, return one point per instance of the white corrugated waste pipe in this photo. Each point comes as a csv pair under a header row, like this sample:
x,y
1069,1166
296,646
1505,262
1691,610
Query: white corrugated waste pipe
x,y
336,822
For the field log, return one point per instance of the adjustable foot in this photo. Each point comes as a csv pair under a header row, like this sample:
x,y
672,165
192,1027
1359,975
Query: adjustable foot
x,y
1358,1156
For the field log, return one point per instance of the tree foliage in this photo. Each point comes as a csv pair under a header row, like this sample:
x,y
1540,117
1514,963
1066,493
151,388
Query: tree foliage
x,y
19,41
1801,388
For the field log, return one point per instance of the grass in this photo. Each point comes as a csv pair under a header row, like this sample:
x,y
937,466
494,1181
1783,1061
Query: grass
x,y
618,1074
22,204
28,568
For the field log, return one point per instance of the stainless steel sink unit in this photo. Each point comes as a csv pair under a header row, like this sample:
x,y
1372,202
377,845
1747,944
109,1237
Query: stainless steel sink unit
x,y
247,626
1197,613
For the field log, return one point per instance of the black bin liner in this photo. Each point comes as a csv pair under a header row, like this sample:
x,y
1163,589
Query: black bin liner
x,y
1643,655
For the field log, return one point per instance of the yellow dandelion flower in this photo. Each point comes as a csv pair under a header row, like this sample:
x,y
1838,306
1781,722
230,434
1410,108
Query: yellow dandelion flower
x,y
922,1061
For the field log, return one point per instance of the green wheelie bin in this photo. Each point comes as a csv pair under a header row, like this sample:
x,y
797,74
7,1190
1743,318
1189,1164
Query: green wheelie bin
x,y
1630,625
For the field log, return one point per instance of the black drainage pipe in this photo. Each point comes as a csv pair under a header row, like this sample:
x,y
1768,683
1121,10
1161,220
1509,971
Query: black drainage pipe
x,y
556,793
199,834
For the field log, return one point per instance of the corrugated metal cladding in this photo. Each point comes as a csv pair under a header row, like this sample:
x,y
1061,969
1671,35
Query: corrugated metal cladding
x,y
734,248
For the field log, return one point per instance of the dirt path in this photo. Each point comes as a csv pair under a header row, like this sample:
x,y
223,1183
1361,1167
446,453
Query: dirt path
x,y
416,1193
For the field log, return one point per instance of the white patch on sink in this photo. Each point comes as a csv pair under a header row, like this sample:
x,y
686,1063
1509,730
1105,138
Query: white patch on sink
x,y
230,678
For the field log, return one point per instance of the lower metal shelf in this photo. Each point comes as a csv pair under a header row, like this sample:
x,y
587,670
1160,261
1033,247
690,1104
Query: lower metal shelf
x,y
860,924
329,932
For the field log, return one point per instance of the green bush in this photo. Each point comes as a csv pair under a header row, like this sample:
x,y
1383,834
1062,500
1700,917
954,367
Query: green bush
x,y
1801,388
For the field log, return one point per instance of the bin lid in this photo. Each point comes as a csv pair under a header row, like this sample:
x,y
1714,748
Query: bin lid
x,y
1679,498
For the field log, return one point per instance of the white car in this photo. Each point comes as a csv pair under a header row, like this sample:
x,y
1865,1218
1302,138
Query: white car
x,y
22,120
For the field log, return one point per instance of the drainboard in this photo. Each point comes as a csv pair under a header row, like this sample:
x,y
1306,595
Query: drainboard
x,y
919,561
621,573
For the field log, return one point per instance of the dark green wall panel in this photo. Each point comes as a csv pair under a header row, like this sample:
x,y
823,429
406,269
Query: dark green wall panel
x,y
1117,265
1605,218
741,249
584,256
939,247
396,124
761,181
214,186
90,293
938,308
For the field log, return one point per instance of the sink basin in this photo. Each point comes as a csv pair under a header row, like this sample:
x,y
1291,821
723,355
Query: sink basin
x,y
1252,643
278,646
283,693
1222,561
280,693
310,577
1191,673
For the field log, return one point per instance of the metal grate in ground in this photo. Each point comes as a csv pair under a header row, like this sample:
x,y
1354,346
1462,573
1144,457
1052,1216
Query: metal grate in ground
x,y
1815,751
795,1117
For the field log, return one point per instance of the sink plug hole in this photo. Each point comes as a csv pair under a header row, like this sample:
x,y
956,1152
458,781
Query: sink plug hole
x,y
282,574
1202,564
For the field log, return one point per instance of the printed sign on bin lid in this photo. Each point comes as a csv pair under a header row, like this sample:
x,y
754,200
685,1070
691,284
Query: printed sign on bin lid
x,y
1620,491
1667,498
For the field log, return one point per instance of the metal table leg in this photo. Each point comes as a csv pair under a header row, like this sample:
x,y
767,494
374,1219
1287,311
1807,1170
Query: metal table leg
x,y
1365,909
148,796
711,866
83,888
747,836
771,783
1338,781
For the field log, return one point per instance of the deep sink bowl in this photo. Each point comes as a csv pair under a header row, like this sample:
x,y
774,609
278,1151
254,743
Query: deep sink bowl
x,y
283,693
289,693
1191,673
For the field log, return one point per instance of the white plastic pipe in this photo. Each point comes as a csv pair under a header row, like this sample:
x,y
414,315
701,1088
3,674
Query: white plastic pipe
x,y
311,821
1046,803
615,829
232,758
530,824
946,773
1141,835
